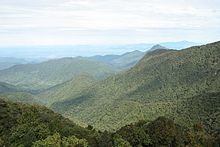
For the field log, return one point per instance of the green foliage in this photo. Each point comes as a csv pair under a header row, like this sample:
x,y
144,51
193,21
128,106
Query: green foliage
x,y
21,125
118,141
47,74
66,90
163,83
164,132
56,141
73,141
184,85
135,135
25,125
23,97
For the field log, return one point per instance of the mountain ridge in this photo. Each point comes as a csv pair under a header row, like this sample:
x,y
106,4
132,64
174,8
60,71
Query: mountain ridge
x,y
47,74
156,86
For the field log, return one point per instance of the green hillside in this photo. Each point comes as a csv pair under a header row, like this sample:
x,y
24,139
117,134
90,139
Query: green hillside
x,y
27,125
126,60
22,125
163,83
12,93
66,90
23,97
47,74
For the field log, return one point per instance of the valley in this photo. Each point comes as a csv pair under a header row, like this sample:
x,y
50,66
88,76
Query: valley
x,y
102,99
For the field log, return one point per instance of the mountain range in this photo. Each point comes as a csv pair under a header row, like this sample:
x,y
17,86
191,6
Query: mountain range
x,y
160,97
47,74
59,51
162,83
40,76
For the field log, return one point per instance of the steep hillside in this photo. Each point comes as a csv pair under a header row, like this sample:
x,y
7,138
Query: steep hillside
x,y
23,97
51,73
66,90
24,125
36,126
160,84
12,93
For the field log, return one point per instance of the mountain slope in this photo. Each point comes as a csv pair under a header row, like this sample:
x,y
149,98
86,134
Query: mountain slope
x,y
5,87
156,47
53,72
22,125
66,90
127,60
36,126
157,85
19,96
12,93
121,62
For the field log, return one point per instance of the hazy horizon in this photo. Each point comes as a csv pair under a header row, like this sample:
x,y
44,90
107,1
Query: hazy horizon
x,y
59,51
65,22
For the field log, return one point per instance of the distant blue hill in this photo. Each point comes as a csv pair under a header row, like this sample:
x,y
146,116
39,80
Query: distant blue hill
x,y
48,52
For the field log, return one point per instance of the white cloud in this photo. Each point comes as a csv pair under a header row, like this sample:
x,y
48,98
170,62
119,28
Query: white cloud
x,y
107,21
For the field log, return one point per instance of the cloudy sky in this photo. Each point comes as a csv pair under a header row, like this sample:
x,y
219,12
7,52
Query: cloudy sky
x,y
61,22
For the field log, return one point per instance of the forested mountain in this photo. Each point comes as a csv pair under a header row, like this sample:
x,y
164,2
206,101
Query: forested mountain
x,y
171,83
27,125
126,60
156,47
12,93
67,89
20,96
40,76
181,86
121,62
47,74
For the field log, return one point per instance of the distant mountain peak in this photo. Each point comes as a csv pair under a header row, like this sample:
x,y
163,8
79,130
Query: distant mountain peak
x,y
156,47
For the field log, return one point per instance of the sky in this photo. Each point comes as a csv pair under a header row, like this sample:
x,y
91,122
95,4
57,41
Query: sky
x,y
71,22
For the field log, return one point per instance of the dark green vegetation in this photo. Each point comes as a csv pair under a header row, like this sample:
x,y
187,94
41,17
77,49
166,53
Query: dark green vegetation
x,y
25,125
47,74
22,125
134,105
182,84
